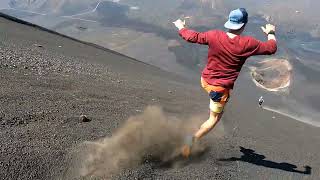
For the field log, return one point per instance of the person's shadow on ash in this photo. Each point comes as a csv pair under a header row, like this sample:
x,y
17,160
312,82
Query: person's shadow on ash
x,y
250,156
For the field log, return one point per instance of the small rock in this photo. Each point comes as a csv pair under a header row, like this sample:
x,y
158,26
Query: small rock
x,y
273,117
38,45
268,18
138,110
170,92
60,46
84,118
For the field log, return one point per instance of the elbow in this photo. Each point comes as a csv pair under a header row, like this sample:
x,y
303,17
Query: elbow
x,y
273,48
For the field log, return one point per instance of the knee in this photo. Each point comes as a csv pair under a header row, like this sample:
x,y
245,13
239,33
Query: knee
x,y
211,122
215,116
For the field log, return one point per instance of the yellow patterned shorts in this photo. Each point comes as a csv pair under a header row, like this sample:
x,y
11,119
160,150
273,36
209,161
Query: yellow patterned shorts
x,y
219,96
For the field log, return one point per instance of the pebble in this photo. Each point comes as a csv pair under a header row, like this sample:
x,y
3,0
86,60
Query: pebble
x,y
84,118
38,45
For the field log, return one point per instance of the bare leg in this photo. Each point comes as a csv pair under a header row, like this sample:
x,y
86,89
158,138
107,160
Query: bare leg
x,y
207,126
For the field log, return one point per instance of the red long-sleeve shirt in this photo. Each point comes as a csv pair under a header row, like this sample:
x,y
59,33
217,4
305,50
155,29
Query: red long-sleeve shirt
x,y
226,55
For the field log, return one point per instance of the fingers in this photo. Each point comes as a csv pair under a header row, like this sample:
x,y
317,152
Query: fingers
x,y
268,28
179,23
263,29
176,21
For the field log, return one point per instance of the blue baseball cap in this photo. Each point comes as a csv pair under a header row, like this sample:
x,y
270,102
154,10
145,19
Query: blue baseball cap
x,y
237,18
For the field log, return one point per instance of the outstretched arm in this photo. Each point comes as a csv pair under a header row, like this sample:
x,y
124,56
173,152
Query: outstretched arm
x,y
270,46
191,35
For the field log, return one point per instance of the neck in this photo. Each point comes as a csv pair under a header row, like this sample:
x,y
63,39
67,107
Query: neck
x,y
232,33
235,32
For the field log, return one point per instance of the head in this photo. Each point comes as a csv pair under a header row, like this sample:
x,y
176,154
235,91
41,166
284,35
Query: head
x,y
237,21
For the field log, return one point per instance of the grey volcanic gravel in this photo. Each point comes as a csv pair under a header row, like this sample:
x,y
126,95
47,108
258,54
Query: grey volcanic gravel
x,y
45,89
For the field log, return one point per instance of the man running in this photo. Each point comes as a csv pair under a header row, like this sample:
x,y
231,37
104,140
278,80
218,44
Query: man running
x,y
227,53
261,101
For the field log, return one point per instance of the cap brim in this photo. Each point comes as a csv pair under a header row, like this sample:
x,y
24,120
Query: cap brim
x,y
233,26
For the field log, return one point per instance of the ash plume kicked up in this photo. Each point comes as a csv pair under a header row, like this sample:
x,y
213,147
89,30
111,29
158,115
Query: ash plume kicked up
x,y
151,134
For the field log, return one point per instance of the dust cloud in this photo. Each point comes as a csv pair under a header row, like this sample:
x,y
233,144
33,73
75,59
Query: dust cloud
x,y
152,135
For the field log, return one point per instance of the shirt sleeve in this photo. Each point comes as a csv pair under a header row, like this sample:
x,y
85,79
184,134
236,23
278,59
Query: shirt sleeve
x,y
193,36
265,48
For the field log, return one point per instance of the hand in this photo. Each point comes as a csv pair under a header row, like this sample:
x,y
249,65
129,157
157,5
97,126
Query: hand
x,y
269,28
179,24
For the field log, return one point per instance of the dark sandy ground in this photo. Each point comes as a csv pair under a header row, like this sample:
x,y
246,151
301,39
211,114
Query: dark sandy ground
x,y
45,89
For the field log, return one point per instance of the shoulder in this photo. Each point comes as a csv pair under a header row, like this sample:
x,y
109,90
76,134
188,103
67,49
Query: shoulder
x,y
250,40
215,33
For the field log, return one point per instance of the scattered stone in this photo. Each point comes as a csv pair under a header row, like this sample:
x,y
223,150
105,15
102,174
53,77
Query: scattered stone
x,y
134,8
268,18
273,117
170,92
138,110
38,45
84,118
